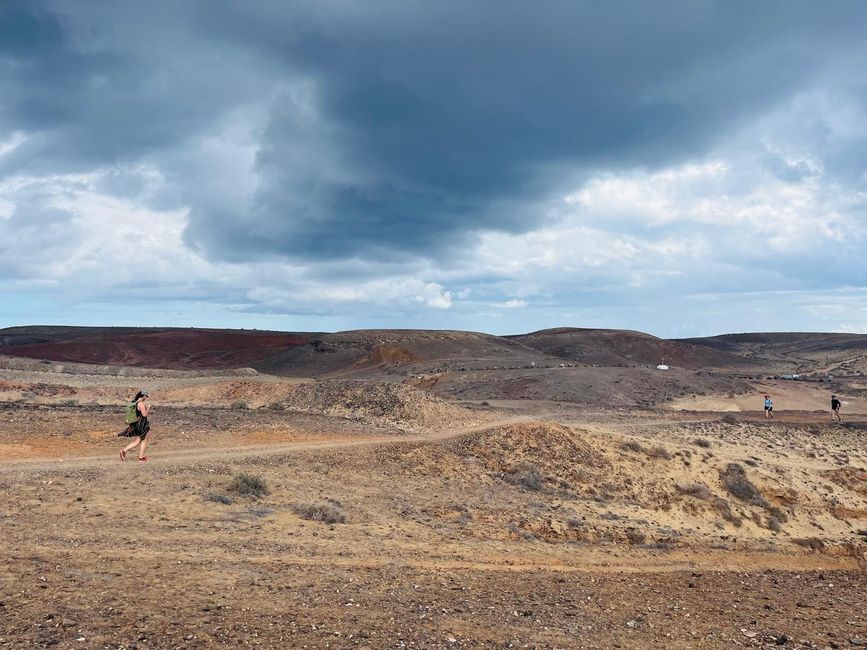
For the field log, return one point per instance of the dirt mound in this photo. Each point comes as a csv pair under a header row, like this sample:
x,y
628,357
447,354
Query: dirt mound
x,y
171,348
554,450
603,347
238,393
391,402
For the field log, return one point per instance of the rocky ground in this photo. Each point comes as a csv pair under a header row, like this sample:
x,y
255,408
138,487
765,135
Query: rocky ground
x,y
278,513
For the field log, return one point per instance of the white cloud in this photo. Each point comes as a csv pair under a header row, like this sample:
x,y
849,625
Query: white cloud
x,y
11,143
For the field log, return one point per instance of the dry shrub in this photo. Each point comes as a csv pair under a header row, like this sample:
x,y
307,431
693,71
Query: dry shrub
x,y
240,405
632,445
725,511
774,524
697,490
729,418
248,485
702,442
526,475
328,512
659,452
778,514
737,484
213,497
635,536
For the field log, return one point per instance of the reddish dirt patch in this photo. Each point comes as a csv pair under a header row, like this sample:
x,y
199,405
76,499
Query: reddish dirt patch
x,y
163,348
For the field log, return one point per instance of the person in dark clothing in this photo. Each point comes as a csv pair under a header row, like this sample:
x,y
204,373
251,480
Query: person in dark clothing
x,y
138,429
835,409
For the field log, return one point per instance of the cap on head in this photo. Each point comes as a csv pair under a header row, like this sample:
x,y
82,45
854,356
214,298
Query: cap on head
x,y
144,393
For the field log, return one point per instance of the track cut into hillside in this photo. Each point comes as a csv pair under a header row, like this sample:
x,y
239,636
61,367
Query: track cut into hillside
x,y
389,402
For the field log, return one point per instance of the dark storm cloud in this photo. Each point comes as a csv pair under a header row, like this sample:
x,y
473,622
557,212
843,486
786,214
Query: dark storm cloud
x,y
398,129
104,84
452,107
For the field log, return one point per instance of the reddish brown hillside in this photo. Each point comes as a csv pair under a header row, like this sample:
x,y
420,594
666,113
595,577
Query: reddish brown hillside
x,y
148,348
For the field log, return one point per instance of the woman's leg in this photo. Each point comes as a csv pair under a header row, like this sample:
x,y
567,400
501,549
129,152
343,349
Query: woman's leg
x,y
141,450
132,445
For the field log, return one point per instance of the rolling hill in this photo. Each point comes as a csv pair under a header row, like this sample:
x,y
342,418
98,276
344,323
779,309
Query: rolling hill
x,y
605,347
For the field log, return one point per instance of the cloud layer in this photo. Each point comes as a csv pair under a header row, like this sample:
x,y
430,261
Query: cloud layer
x,y
679,167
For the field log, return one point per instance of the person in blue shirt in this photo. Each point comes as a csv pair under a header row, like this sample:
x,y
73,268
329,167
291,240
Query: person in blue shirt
x,y
769,408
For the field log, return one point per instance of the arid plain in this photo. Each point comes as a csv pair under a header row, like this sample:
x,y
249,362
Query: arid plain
x,y
388,489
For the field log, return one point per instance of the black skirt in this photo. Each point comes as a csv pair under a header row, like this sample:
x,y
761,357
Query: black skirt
x,y
138,429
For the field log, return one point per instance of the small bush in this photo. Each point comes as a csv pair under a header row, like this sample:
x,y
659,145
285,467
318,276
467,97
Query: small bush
x,y
702,442
635,536
248,485
729,418
697,490
218,498
632,445
725,511
659,452
275,406
239,405
526,475
328,512
778,514
774,524
735,480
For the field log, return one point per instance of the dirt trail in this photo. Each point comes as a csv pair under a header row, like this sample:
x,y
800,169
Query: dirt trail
x,y
184,455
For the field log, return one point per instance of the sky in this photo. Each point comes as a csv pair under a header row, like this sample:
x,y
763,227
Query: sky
x,y
682,168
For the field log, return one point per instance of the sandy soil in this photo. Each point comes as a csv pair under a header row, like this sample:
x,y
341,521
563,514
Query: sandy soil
x,y
514,524
786,395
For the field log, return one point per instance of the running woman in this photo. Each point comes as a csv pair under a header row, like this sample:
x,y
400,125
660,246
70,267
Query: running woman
x,y
138,429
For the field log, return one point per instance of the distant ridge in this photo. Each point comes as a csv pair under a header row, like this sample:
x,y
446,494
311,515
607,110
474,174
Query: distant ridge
x,y
818,352
360,353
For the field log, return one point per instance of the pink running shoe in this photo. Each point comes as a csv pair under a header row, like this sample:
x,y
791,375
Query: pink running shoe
x,y
142,458
123,454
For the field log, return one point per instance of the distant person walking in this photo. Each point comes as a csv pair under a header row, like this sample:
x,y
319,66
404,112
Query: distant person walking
x,y
137,425
769,408
835,409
